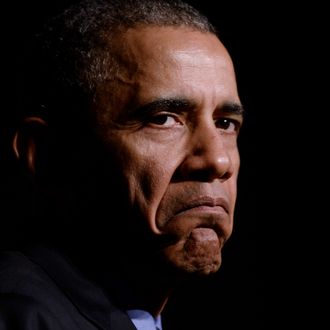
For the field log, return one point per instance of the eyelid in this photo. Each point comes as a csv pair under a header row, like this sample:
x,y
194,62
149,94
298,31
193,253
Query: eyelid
x,y
235,121
175,117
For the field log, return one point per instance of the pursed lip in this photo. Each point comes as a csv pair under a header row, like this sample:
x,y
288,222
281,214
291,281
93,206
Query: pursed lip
x,y
206,201
203,211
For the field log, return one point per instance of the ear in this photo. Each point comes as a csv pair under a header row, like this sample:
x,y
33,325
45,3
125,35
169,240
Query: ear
x,y
28,141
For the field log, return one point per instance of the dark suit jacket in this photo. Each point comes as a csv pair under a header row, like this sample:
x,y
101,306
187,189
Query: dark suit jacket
x,y
41,290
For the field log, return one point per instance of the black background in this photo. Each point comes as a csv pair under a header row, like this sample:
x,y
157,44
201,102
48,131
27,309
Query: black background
x,y
270,277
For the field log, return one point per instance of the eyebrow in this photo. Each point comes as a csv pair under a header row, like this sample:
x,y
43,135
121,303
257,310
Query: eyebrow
x,y
166,104
182,104
233,108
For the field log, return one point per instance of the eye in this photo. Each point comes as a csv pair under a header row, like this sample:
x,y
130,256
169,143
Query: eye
x,y
164,120
227,124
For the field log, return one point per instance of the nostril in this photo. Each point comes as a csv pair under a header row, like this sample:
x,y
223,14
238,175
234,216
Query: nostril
x,y
205,175
225,176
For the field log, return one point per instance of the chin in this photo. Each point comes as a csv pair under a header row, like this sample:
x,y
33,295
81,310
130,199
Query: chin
x,y
197,259
202,269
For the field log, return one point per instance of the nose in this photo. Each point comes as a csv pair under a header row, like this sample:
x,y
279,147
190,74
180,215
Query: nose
x,y
209,157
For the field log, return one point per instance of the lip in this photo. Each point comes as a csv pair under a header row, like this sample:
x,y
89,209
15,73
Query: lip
x,y
205,203
190,208
204,212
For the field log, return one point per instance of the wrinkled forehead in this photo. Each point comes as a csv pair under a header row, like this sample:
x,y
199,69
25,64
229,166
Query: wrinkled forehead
x,y
153,43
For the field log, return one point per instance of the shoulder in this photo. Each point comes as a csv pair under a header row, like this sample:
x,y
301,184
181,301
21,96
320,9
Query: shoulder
x,y
20,275
43,288
16,270
30,299
25,313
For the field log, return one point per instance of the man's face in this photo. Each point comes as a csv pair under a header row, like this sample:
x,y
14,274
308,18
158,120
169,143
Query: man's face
x,y
172,114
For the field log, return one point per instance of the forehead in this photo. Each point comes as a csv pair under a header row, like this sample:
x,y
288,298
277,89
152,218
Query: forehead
x,y
167,53
152,45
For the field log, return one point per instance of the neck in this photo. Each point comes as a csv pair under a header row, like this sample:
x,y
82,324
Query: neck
x,y
142,285
132,282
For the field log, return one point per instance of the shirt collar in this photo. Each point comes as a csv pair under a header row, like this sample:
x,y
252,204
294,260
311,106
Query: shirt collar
x,y
143,320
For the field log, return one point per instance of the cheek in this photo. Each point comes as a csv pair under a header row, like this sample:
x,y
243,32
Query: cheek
x,y
150,182
147,179
232,182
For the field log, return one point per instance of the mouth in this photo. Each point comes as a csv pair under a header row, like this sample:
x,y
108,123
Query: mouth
x,y
201,212
205,203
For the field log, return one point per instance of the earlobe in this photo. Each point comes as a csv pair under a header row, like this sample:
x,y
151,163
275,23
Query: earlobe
x,y
27,140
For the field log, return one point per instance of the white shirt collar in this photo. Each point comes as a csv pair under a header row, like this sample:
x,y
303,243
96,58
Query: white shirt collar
x,y
143,320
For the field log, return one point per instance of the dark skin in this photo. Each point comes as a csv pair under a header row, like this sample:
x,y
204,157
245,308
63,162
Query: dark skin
x,y
170,119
